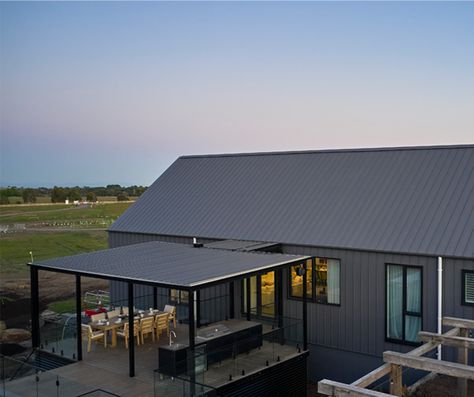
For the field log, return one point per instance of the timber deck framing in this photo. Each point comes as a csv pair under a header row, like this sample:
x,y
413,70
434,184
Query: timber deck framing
x,y
457,337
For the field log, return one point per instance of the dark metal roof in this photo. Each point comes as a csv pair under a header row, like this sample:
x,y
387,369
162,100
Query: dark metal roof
x,y
416,200
240,245
168,264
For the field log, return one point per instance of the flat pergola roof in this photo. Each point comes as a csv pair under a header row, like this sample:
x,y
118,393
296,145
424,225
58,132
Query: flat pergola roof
x,y
169,265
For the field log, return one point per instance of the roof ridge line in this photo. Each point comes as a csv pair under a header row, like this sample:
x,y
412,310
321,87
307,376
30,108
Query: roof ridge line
x,y
315,151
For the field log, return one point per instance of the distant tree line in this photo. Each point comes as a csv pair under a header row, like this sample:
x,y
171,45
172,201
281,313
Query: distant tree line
x,y
59,194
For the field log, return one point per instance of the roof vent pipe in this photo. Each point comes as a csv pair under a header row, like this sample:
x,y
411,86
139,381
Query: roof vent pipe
x,y
196,244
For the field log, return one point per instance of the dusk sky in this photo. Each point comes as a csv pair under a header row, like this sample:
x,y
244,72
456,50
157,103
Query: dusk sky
x,y
101,93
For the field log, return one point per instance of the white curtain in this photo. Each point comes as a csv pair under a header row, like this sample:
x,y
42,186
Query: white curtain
x,y
413,323
395,302
334,272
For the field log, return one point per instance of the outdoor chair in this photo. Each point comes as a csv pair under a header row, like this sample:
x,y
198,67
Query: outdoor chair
x,y
97,317
124,332
162,322
171,310
92,336
147,327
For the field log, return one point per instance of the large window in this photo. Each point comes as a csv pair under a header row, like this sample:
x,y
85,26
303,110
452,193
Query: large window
x,y
468,287
404,294
323,281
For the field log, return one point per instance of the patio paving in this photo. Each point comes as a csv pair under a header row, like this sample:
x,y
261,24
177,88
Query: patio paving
x,y
107,369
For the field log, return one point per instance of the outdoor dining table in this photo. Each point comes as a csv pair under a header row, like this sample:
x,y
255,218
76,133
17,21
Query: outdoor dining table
x,y
114,323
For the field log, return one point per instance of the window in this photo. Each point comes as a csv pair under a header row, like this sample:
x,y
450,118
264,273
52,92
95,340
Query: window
x,y
468,287
296,280
262,295
178,296
323,281
328,280
404,295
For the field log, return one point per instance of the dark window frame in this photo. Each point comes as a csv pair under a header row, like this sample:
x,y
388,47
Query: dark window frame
x,y
313,298
403,341
180,301
463,287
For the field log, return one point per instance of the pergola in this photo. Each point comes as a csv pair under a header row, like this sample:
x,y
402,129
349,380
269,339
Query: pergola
x,y
167,265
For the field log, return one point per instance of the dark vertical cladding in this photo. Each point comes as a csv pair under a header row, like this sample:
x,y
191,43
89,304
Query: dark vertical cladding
x,y
119,239
357,325
452,297
78,317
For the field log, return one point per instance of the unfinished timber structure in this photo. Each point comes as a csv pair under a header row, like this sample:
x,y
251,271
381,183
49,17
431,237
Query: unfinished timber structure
x,y
458,337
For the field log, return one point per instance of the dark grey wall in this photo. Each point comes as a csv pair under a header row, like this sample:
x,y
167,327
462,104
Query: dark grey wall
x,y
452,292
357,326
452,288
118,239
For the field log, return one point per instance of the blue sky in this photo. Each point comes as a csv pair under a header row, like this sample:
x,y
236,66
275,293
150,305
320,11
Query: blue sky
x,y
97,93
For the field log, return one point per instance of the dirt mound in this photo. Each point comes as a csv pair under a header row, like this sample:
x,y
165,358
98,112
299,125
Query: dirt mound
x,y
15,302
441,386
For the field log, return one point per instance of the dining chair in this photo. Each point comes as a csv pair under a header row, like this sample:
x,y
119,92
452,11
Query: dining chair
x,y
98,316
162,322
124,332
92,336
171,310
147,327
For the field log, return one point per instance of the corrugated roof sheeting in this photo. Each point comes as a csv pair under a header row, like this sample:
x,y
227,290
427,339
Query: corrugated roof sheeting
x,y
167,263
232,245
240,245
408,200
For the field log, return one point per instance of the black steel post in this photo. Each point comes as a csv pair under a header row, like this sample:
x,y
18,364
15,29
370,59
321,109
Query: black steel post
x,y
191,336
191,319
78,317
155,298
35,331
305,306
279,297
198,308
248,299
231,300
131,332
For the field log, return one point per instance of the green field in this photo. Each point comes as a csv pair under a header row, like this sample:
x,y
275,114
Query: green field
x,y
47,199
61,230
60,212
15,248
63,306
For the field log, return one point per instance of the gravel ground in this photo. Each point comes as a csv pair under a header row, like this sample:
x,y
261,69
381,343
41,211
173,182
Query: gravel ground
x,y
441,386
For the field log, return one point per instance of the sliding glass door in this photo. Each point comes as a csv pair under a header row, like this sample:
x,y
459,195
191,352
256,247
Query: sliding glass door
x,y
262,295
267,291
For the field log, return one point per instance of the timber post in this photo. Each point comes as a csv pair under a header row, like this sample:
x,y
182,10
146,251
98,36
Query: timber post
x,y
396,384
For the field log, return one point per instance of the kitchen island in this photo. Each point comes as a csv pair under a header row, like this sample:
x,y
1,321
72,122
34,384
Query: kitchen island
x,y
214,343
